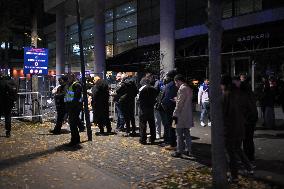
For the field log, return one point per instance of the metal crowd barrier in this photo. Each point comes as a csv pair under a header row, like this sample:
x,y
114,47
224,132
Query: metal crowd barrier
x,y
24,105
112,108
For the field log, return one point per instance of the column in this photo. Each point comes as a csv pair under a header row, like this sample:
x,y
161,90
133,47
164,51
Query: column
x,y
60,41
167,36
99,38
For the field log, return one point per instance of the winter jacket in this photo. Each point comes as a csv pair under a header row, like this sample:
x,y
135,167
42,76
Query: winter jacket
x,y
170,92
183,109
234,104
203,93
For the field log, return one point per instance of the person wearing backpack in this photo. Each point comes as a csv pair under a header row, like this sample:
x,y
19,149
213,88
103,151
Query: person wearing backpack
x,y
8,96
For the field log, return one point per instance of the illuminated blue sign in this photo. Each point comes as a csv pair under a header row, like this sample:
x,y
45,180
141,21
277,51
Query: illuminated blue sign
x,y
35,61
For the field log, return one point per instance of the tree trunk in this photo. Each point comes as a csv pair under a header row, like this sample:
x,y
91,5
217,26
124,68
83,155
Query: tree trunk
x,y
217,130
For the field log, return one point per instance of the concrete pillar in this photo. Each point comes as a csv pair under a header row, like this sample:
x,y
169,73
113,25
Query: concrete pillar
x,y
60,41
99,38
167,36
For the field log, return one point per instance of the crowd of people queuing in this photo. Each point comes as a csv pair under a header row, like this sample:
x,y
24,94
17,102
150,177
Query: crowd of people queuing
x,y
163,103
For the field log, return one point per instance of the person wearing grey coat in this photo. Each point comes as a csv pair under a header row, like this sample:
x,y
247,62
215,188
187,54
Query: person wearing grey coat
x,y
182,117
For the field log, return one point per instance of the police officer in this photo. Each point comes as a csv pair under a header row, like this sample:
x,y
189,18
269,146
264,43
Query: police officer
x,y
73,102
60,105
8,95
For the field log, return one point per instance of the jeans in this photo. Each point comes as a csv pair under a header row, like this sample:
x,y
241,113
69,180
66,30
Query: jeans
x,y
169,132
183,140
119,115
205,109
158,121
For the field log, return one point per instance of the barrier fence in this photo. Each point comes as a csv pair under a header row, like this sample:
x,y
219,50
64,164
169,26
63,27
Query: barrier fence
x,y
27,102
26,105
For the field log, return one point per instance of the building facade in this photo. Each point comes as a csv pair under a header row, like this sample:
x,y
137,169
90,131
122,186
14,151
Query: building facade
x,y
252,41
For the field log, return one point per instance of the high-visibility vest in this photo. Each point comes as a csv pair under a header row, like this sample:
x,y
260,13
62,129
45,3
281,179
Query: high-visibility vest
x,y
70,94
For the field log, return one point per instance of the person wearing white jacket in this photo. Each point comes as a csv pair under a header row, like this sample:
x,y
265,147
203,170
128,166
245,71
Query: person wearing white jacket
x,y
203,100
183,117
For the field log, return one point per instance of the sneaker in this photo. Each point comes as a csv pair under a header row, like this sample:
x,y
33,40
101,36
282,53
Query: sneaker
x,y
202,124
176,154
233,180
250,172
158,136
209,124
187,153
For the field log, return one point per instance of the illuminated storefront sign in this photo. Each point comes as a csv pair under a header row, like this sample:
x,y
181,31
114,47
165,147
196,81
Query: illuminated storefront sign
x,y
253,37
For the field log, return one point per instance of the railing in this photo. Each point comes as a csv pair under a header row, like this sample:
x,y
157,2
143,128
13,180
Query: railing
x,y
25,107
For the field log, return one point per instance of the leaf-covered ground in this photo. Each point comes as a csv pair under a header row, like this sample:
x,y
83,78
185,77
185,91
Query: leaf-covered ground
x,y
33,158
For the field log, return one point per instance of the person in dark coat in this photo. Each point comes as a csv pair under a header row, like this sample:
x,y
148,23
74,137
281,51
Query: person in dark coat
x,y
100,104
128,106
168,104
8,96
251,117
147,100
118,97
60,105
269,92
234,103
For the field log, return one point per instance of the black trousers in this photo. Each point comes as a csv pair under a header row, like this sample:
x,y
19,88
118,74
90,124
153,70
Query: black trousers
x,y
61,112
235,153
129,117
143,120
106,123
7,115
248,143
74,121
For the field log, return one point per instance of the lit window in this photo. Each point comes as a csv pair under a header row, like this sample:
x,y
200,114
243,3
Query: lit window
x,y
125,9
125,22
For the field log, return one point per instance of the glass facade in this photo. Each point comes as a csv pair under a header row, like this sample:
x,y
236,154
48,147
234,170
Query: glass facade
x,y
121,35
125,23
148,18
240,7
125,27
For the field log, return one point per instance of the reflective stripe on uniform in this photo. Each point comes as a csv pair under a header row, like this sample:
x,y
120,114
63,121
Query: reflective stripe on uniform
x,y
69,96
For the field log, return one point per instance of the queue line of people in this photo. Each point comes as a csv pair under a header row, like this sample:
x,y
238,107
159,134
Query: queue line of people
x,y
171,100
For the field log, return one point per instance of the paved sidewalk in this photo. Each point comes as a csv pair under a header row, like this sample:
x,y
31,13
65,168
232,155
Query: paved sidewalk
x,y
269,149
32,158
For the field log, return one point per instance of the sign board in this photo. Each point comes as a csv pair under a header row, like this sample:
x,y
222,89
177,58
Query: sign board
x,y
35,61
